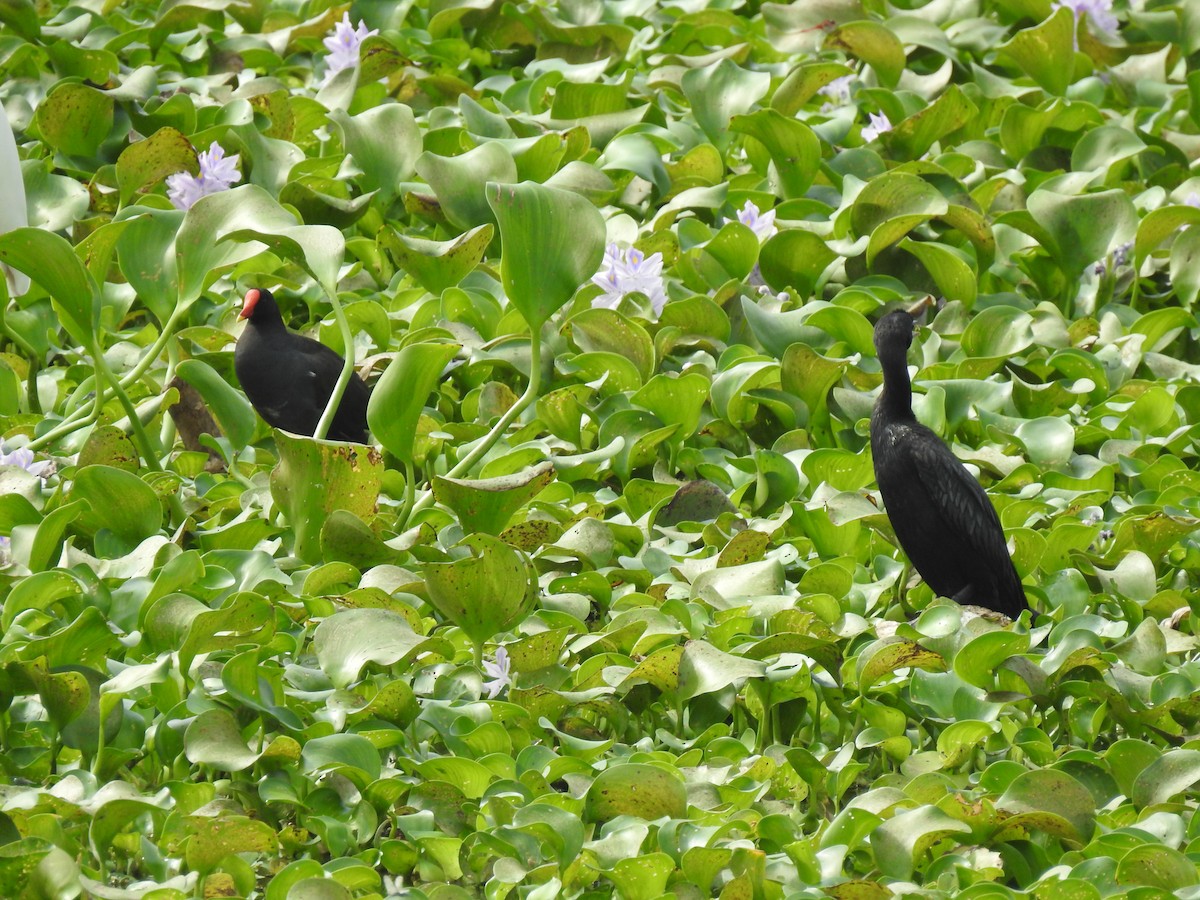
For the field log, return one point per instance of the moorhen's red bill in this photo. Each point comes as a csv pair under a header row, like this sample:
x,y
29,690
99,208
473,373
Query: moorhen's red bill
x,y
289,377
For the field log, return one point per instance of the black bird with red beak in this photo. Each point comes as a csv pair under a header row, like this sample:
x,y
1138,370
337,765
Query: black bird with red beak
x,y
289,378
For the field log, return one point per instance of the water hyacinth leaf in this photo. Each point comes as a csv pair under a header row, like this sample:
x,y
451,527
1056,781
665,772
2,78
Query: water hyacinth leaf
x,y
485,593
720,91
642,877
461,182
888,658
614,373
1185,266
437,265
901,841
999,331
638,154
75,119
1046,52
1162,326
1170,774
1055,793
892,205
184,623
229,227
675,400
704,669
317,888
401,393
51,263
324,201
696,501
384,143
1083,228
951,272
22,17
1157,866
232,411
146,256
150,161
803,82
313,478
794,260
795,151
553,242
96,722
601,330
213,839
1158,225
119,501
1048,441
214,739
486,505
635,789
979,661
343,753
347,538
912,138
1104,147
874,44
348,640
1024,128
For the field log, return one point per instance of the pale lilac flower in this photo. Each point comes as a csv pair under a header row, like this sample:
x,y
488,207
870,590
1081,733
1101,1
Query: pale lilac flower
x,y
838,92
23,458
762,224
217,173
343,43
499,671
878,125
1192,199
629,272
1099,12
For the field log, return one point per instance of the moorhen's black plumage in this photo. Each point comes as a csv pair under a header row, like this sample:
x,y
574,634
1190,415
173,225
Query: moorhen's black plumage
x,y
941,515
289,377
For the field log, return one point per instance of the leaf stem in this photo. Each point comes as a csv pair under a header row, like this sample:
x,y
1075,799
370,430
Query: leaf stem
x,y
531,392
335,398
489,440
80,419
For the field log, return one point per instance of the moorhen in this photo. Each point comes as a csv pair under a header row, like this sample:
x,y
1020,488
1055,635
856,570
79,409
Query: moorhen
x,y
289,377
941,515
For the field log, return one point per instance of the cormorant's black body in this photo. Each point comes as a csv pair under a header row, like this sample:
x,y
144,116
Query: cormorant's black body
x,y
941,515
289,377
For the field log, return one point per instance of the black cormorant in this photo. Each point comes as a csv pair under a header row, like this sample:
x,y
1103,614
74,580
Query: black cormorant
x,y
941,515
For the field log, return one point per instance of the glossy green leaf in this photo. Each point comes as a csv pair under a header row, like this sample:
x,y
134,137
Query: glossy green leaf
x,y
233,412
401,393
553,243
485,593
486,505
313,478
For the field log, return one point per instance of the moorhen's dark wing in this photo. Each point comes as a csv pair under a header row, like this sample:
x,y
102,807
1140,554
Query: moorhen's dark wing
x,y
289,377
322,367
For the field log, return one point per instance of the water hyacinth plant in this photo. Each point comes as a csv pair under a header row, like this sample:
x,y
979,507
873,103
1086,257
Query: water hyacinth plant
x,y
610,605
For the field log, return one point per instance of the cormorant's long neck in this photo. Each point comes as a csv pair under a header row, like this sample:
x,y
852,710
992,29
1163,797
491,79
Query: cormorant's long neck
x,y
897,388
